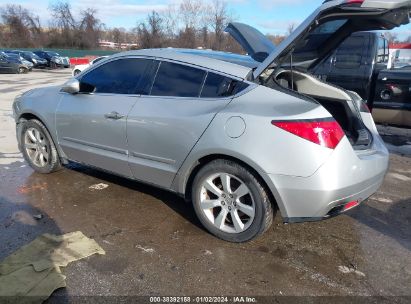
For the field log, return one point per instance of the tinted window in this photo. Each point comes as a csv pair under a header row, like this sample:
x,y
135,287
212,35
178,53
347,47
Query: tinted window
x,y
220,86
177,80
382,53
123,76
349,54
98,59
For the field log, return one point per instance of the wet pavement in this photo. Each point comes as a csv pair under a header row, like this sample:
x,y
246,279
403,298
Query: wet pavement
x,y
155,246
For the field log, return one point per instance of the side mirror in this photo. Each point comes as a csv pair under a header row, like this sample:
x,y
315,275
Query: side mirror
x,y
72,86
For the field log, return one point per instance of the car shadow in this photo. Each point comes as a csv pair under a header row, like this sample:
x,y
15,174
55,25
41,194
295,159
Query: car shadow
x,y
170,199
394,223
21,223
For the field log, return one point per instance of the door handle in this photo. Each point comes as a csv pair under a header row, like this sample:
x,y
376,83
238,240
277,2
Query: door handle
x,y
113,115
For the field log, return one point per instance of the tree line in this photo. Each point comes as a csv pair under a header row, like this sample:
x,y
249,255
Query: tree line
x,y
189,24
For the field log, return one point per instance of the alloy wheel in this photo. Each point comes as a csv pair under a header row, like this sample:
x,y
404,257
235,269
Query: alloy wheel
x,y
37,148
227,203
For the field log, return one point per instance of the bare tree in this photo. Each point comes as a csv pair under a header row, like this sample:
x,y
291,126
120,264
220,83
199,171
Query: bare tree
x,y
63,24
218,18
21,27
151,32
391,37
191,12
204,37
89,29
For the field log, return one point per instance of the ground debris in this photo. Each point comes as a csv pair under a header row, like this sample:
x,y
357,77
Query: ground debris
x,y
100,186
148,250
345,269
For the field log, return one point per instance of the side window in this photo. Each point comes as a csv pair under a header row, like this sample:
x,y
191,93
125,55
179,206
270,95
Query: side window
x,y
221,86
177,80
382,53
349,54
122,76
97,60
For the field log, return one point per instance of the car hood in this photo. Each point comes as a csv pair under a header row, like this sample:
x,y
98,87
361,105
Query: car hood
x,y
324,30
41,92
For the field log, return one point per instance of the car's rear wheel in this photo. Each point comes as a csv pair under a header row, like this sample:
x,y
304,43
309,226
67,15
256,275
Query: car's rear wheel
x,y
231,202
76,72
38,148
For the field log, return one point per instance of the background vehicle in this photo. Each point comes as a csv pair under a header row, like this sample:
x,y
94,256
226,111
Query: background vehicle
x,y
231,138
81,67
53,59
360,65
11,65
28,64
30,56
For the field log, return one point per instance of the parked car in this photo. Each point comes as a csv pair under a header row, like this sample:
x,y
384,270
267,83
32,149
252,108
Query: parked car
x,y
33,58
360,64
11,65
81,67
233,135
54,60
28,64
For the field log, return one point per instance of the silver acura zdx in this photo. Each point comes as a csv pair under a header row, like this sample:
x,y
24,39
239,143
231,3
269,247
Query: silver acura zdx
x,y
238,136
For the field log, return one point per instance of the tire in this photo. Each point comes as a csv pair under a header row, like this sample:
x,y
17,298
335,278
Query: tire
x,y
230,200
38,147
21,70
76,72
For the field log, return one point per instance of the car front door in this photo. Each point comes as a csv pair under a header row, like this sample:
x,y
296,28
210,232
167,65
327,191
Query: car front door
x,y
163,128
91,125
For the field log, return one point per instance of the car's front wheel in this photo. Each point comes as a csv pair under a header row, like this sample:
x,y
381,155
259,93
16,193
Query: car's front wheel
x,y
21,70
231,202
38,148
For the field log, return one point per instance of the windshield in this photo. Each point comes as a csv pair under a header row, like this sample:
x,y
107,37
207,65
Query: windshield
x,y
53,54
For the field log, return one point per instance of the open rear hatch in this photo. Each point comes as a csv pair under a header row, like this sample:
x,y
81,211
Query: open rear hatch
x,y
321,33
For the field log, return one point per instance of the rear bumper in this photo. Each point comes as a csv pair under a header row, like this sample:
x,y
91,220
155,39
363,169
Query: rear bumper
x,y
345,177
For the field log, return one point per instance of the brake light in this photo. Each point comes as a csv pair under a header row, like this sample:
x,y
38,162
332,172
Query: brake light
x,y
326,133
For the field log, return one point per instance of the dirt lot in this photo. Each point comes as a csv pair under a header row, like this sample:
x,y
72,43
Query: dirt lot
x,y
155,246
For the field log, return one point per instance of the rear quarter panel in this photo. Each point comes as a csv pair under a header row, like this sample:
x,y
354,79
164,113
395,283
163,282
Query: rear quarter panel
x,y
264,147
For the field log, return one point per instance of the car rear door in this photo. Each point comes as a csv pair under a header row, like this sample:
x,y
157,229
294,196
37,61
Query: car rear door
x,y
164,126
91,125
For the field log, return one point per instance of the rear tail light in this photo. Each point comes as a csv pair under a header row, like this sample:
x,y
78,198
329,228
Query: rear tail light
x,y
323,132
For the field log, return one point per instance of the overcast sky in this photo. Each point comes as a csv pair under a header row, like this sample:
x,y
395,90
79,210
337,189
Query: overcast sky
x,y
269,16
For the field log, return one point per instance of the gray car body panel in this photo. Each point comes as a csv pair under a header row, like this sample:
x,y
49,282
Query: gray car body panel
x,y
161,142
